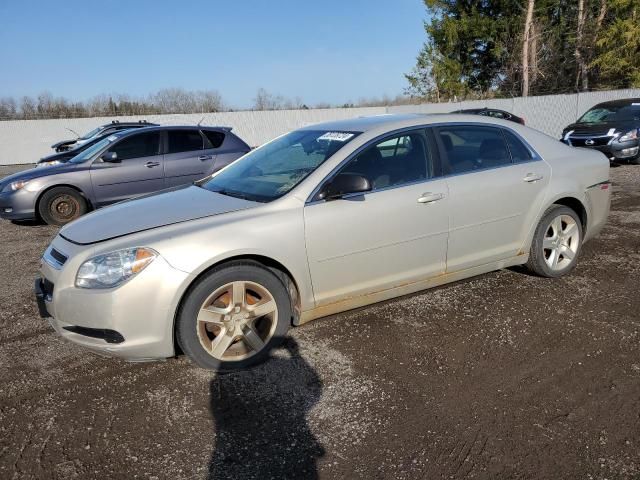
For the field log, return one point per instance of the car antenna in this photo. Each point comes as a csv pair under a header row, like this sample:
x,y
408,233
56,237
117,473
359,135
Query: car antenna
x,y
200,121
75,133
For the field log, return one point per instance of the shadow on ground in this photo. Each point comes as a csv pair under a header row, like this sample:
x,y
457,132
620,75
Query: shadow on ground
x,y
260,419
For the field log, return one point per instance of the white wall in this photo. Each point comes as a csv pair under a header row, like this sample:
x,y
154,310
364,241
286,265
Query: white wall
x,y
25,141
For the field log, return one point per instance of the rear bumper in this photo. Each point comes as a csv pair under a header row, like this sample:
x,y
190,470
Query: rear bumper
x,y
598,199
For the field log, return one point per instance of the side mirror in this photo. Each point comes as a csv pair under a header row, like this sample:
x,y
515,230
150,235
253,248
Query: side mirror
x,y
110,157
344,184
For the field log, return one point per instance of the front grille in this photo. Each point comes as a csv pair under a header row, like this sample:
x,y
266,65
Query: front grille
x,y
582,141
59,257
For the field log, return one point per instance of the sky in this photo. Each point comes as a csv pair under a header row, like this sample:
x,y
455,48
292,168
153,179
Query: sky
x,y
321,51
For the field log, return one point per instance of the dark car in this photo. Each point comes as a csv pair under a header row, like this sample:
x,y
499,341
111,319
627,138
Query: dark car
x,y
123,165
102,130
492,112
611,127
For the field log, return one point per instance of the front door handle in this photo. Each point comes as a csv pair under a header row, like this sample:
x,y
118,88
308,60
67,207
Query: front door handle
x,y
203,158
429,197
532,177
152,164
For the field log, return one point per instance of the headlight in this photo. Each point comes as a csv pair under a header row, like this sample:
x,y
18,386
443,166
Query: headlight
x,y
630,135
48,164
13,186
113,268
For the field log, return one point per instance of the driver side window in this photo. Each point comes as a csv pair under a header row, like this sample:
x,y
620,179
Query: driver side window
x,y
397,160
137,146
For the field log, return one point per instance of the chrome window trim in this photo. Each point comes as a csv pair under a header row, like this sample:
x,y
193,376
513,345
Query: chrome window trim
x,y
535,158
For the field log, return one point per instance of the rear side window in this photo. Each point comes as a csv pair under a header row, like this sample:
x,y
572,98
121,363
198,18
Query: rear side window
x,y
136,146
471,148
519,152
214,139
185,141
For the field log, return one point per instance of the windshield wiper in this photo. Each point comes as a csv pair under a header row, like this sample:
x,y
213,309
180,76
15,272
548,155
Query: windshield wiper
x,y
231,193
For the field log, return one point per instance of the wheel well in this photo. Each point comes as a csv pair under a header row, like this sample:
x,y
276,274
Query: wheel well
x,y
274,266
577,206
73,187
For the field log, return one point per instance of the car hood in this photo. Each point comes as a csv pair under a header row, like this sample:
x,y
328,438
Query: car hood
x,y
63,142
597,129
32,173
151,211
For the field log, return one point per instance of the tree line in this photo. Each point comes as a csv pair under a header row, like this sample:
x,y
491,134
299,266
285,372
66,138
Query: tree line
x,y
165,101
507,48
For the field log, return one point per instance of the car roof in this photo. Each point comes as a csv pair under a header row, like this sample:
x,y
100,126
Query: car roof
x,y
161,128
618,103
388,122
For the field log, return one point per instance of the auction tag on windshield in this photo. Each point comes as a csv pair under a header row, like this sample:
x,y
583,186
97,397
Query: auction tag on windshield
x,y
336,136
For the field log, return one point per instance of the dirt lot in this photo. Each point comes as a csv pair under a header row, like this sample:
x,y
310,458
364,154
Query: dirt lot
x,y
502,376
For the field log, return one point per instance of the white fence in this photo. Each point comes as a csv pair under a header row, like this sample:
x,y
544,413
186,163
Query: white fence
x,y
25,141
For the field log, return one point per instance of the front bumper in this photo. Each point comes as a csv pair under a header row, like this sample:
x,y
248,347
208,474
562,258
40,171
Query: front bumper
x,y
133,321
18,205
614,150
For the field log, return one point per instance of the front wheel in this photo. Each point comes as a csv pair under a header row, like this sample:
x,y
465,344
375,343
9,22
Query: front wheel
x,y
556,243
60,205
233,317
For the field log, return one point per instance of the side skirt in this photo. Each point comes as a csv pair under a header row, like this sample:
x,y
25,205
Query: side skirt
x,y
406,289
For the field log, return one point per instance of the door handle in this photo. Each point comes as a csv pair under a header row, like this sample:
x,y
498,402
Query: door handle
x,y
202,158
429,197
151,164
532,177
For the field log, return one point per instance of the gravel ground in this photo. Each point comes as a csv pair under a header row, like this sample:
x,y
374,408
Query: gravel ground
x,y
502,376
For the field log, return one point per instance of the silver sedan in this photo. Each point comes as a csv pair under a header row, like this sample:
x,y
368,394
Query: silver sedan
x,y
318,221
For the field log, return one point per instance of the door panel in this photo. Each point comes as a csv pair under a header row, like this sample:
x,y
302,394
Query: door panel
x,y
376,241
492,212
139,170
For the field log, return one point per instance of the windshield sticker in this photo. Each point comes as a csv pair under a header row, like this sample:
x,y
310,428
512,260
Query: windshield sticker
x,y
336,136
636,104
611,132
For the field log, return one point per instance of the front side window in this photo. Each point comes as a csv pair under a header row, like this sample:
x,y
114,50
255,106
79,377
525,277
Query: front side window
x,y
185,141
394,161
137,146
272,170
471,148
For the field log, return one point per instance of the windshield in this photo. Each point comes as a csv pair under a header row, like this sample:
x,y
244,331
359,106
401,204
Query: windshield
x,y
274,169
600,114
91,151
87,136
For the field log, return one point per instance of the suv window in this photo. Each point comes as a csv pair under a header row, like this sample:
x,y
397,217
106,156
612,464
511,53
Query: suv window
x,y
136,146
470,148
519,152
215,138
185,141
394,161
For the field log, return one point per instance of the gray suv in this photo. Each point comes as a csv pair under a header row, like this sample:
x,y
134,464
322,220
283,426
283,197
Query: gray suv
x,y
118,167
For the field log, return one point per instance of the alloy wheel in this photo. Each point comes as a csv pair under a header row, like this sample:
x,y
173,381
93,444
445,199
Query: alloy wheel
x,y
237,320
561,242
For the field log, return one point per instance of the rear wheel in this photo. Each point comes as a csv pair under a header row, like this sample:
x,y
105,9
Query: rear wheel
x,y
60,205
556,243
233,317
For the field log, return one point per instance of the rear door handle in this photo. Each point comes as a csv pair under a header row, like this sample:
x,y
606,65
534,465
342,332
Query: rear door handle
x,y
429,197
205,157
532,177
152,164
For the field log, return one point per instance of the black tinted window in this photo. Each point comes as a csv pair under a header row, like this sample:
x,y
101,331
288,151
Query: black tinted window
x,y
215,138
185,141
394,161
519,152
141,145
471,148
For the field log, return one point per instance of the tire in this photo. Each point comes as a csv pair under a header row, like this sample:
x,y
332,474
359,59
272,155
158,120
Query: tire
x,y
563,252
232,334
60,205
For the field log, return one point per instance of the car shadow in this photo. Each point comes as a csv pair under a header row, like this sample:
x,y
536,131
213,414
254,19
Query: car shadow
x,y
28,223
260,419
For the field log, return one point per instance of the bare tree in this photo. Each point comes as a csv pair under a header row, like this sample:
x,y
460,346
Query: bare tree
x,y
526,40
